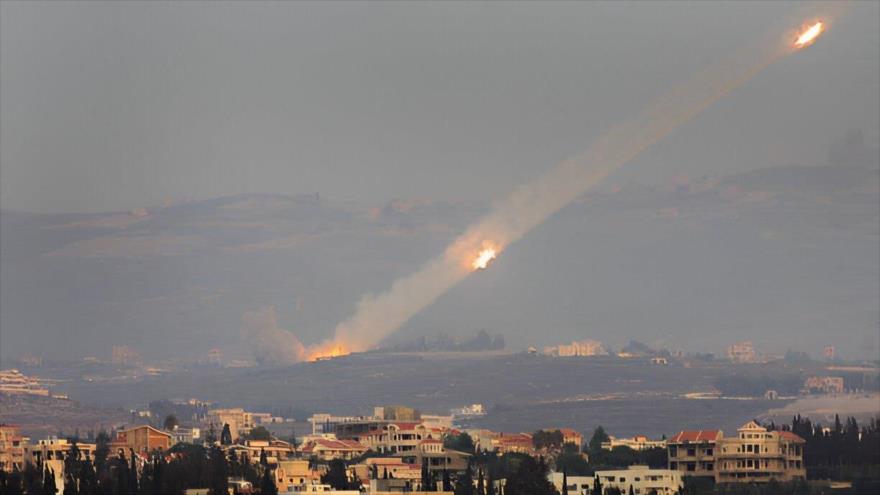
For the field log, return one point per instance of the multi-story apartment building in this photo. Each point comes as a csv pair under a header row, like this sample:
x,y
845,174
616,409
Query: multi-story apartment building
x,y
693,452
12,448
57,449
754,455
824,384
240,421
141,439
758,455
642,480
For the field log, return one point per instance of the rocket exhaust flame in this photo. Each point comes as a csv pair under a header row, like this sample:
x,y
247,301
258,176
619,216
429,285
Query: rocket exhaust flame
x,y
379,315
484,258
809,35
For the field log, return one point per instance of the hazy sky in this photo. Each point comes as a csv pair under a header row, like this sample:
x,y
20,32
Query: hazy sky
x,y
114,106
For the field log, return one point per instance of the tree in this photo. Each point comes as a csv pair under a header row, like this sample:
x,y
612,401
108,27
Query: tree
x,y
597,485
337,476
226,435
211,436
264,461
464,484
218,476
259,433
461,442
102,448
564,482
599,436
529,478
170,422
267,485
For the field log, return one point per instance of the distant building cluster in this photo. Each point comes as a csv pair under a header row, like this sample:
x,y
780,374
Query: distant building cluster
x,y
742,352
14,382
583,348
824,384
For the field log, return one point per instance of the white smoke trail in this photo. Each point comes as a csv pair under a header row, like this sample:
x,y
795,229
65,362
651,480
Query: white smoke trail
x,y
377,316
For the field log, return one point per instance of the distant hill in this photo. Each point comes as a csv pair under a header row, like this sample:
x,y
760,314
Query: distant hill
x,y
785,257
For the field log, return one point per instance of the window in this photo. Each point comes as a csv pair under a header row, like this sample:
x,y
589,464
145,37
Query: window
x,y
710,452
692,452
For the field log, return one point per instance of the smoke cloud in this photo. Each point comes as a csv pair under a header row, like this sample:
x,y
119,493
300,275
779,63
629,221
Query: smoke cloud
x,y
271,345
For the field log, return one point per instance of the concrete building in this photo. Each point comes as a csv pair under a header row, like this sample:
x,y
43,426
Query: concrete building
x,y
571,437
240,421
643,480
293,473
54,448
637,442
824,384
583,348
693,452
12,448
275,450
13,381
142,439
326,449
742,352
756,455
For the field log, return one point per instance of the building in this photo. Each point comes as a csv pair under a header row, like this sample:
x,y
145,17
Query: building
x,y
437,459
292,473
274,449
571,437
637,442
397,413
12,448
57,449
693,452
141,439
327,449
583,348
240,421
377,467
123,354
756,455
742,352
643,480
184,435
824,384
13,381
395,486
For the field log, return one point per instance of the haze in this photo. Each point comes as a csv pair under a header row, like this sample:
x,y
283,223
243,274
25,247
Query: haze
x,y
757,220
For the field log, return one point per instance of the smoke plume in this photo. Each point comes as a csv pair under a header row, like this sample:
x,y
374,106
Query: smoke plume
x,y
271,345
377,316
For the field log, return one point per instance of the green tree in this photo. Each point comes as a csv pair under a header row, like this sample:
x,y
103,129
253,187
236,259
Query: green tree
x,y
267,485
336,475
170,422
259,433
226,435
598,437
461,442
218,475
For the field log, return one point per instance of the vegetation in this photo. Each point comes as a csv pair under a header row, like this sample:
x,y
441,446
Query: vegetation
x,y
461,442
543,439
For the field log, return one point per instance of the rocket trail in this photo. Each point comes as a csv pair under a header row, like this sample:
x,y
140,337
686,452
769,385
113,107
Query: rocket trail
x,y
377,316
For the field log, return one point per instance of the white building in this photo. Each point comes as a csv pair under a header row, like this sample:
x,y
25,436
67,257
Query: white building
x,y
637,442
643,479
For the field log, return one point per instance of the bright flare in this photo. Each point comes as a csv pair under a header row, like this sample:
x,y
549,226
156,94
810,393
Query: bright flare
x,y
327,350
807,37
486,255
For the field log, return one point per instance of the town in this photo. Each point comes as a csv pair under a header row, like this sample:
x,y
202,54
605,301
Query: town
x,y
198,449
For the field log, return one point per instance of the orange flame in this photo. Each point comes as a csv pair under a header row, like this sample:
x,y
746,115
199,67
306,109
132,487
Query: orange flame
x,y
326,350
809,35
486,255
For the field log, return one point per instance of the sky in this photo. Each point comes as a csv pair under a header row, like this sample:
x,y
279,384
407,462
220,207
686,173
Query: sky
x,y
107,107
